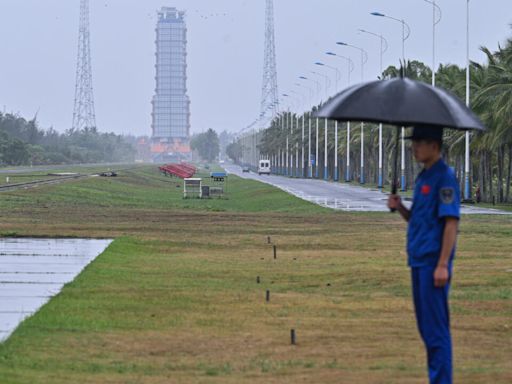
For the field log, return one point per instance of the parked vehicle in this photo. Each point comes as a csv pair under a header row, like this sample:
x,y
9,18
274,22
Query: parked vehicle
x,y
264,167
245,169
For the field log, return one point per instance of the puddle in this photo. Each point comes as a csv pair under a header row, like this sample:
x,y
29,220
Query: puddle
x,y
32,271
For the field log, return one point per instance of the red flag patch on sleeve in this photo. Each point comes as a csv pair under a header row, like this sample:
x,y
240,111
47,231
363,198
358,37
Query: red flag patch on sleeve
x,y
425,189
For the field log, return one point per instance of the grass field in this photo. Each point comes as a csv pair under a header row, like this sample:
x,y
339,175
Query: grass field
x,y
13,175
175,299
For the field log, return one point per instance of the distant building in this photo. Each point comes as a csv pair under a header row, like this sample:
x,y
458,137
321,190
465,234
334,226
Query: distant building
x,y
171,105
143,147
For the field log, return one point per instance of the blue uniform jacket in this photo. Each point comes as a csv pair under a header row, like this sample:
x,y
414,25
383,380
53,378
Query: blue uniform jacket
x,y
436,196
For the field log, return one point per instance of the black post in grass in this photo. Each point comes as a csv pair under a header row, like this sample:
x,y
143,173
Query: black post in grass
x,y
269,240
267,297
293,337
257,279
275,252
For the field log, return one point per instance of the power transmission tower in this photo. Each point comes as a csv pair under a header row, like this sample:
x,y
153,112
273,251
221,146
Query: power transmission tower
x,y
269,98
83,112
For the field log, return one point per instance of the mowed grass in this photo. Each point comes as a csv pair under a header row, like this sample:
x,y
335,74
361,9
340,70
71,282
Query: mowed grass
x,y
13,175
146,188
175,299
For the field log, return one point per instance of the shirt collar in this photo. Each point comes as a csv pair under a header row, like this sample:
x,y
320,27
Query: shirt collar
x,y
434,168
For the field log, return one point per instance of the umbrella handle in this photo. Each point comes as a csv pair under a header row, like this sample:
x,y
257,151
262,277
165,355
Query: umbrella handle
x,y
394,186
393,192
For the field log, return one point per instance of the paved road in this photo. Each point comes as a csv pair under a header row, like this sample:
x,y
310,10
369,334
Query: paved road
x,y
341,196
34,270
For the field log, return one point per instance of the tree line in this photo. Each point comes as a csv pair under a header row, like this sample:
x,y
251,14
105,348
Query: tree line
x,y
206,144
23,142
491,151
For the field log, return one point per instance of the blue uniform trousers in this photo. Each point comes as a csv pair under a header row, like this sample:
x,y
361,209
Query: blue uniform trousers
x,y
433,320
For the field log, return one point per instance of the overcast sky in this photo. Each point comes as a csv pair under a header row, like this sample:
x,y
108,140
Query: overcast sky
x,y
38,40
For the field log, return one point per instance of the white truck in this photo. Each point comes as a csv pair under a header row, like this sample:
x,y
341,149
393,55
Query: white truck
x,y
264,167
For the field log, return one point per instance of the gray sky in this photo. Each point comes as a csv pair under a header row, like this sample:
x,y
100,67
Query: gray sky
x,y
39,42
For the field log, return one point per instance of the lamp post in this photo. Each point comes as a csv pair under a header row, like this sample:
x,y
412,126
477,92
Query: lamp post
x,y
336,172
350,68
283,151
287,156
326,170
435,21
383,44
309,89
383,48
327,82
336,70
295,171
326,176
280,156
302,148
406,32
299,97
289,147
310,163
467,192
303,127
364,59
316,153
350,63
317,83
296,149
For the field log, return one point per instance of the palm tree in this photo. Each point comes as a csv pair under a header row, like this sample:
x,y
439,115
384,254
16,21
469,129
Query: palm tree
x,y
494,102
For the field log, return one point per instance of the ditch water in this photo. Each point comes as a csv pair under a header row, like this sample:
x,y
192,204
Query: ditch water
x,y
32,271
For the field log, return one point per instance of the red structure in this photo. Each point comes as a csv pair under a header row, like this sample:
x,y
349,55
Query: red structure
x,y
182,170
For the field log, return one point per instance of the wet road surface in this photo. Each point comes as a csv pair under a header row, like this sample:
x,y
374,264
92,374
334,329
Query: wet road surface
x,y
340,196
32,271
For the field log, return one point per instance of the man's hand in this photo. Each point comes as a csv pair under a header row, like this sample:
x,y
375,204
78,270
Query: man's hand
x,y
441,276
394,202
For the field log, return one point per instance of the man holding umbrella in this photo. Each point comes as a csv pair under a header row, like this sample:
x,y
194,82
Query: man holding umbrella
x,y
434,215
431,238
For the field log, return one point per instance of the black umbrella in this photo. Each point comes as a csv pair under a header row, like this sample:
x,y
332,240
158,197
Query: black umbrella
x,y
402,102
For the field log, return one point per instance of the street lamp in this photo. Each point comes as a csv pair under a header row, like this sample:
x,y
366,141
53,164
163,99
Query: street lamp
x,y
310,90
293,101
350,68
303,126
467,192
317,83
310,162
406,30
383,48
383,44
435,21
300,98
350,63
364,59
338,75
327,82
287,167
405,36
364,56
296,119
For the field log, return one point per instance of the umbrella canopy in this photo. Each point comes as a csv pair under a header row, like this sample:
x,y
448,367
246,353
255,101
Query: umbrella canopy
x,y
401,102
